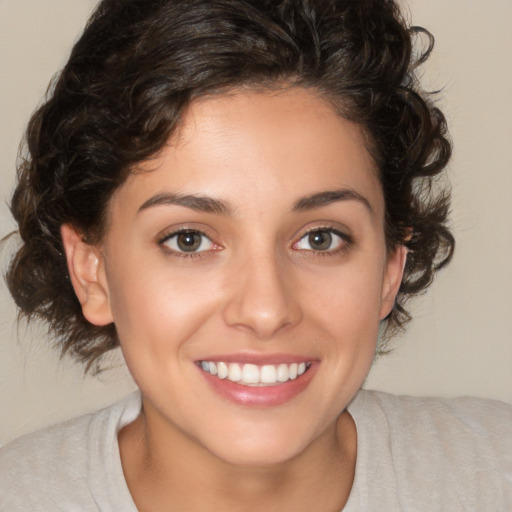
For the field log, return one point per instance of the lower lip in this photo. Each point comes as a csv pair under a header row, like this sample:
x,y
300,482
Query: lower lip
x,y
260,396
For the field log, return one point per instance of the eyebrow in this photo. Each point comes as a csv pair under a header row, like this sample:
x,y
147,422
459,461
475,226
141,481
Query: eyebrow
x,y
192,201
211,205
320,199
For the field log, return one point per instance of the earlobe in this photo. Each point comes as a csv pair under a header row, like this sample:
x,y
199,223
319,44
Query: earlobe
x,y
87,273
392,279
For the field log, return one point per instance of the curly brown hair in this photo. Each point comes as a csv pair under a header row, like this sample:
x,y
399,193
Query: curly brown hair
x,y
137,66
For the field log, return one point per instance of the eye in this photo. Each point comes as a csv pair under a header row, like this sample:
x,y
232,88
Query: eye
x,y
188,241
321,240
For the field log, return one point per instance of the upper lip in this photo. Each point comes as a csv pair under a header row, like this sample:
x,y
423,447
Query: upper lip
x,y
258,359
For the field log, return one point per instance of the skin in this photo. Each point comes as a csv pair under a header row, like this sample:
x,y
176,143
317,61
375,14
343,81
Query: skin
x,y
256,287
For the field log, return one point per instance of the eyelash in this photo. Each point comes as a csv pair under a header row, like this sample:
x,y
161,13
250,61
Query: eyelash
x,y
345,241
185,254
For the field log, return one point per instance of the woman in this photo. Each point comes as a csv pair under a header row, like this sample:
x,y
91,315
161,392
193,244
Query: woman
x,y
239,194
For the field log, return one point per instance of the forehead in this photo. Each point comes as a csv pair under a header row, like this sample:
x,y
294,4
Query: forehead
x,y
259,148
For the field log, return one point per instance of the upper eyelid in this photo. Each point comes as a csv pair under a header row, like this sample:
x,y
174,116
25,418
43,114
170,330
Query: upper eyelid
x,y
323,228
167,234
346,236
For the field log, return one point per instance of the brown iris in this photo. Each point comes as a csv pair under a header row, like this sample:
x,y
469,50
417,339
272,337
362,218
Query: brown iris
x,y
188,241
320,240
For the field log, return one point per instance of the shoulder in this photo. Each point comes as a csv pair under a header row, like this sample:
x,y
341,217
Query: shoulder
x,y
465,419
42,469
51,453
442,415
457,451
465,424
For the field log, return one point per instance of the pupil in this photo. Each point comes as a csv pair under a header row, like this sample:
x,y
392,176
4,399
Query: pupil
x,y
320,240
189,241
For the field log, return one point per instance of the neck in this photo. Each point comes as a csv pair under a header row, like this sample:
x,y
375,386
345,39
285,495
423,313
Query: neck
x,y
164,466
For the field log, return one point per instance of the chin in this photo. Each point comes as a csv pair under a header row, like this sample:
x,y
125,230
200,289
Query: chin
x,y
258,447
258,456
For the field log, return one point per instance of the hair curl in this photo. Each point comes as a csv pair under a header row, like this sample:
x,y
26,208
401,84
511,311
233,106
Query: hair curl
x,y
138,65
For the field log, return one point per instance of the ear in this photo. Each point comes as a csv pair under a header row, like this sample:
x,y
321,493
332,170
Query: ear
x,y
392,279
87,273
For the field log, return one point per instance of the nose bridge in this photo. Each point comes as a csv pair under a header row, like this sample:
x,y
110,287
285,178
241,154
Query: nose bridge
x,y
261,298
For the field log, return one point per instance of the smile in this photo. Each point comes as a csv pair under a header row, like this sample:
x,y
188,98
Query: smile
x,y
254,375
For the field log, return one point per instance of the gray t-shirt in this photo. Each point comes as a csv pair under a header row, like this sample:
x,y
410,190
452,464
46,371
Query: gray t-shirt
x,y
413,454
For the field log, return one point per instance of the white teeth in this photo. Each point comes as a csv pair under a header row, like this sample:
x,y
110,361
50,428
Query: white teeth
x,y
253,375
268,374
222,370
282,373
250,374
235,372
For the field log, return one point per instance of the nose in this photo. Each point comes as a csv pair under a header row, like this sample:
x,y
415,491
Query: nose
x,y
262,299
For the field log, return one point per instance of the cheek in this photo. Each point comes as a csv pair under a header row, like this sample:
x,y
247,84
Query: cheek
x,y
350,296
155,308
346,311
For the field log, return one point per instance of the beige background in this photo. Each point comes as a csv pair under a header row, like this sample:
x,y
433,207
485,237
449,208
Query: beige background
x,y
461,339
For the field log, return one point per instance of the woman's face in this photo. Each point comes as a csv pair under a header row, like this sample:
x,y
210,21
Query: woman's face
x,y
254,246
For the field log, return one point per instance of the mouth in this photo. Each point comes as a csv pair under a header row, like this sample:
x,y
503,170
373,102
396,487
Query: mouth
x,y
255,375
258,383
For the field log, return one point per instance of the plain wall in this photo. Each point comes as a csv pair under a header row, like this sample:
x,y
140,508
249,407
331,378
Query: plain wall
x,y
460,342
